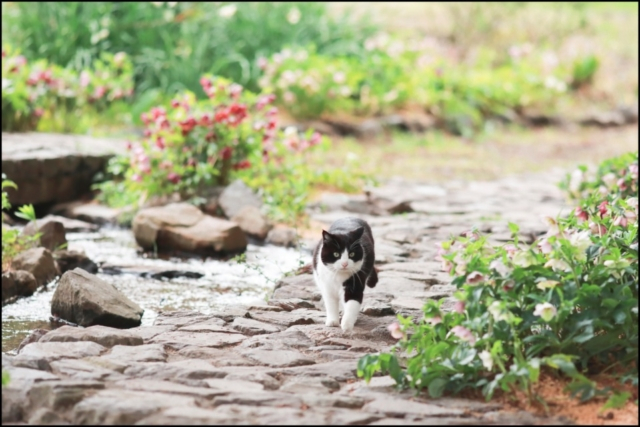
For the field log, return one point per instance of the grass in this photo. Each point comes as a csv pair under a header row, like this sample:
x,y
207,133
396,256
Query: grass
x,y
439,157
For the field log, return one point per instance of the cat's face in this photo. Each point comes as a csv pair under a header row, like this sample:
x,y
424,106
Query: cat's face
x,y
342,253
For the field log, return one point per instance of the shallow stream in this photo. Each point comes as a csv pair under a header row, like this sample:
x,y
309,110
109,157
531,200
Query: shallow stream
x,y
223,282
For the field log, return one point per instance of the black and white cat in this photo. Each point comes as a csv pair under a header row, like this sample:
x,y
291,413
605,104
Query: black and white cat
x,y
342,266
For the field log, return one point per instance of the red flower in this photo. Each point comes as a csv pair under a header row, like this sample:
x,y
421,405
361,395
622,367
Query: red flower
x,y
160,143
581,215
243,164
205,120
147,133
210,137
188,125
602,207
99,92
235,90
173,177
315,139
221,115
191,162
158,112
145,118
38,112
225,153
272,112
205,83
175,103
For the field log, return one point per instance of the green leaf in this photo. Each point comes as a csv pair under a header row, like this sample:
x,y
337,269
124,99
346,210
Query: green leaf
x,y
26,212
437,386
616,400
513,228
609,303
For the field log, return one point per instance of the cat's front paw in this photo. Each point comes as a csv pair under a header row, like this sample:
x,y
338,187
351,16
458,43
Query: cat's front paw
x,y
332,322
346,326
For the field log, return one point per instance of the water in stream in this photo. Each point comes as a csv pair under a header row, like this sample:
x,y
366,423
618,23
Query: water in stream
x,y
223,282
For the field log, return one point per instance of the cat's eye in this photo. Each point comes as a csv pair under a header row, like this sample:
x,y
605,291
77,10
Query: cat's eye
x,y
351,255
336,254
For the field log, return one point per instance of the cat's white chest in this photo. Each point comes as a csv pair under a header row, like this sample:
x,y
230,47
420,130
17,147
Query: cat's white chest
x,y
328,280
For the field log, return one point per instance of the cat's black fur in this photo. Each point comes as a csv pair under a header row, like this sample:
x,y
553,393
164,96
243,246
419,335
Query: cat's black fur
x,y
354,234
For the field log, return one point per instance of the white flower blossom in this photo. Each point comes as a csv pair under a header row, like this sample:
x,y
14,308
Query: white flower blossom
x,y
558,265
546,311
487,360
294,15
227,11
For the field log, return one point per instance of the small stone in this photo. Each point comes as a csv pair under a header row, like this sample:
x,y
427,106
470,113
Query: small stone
x,y
393,407
180,339
69,260
190,416
291,303
332,401
140,353
39,355
37,261
217,357
235,197
103,335
44,416
234,386
25,283
168,387
253,327
259,399
279,341
57,395
124,406
278,358
252,221
34,336
282,236
52,233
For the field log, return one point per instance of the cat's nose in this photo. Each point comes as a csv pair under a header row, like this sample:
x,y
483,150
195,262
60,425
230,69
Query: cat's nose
x,y
344,264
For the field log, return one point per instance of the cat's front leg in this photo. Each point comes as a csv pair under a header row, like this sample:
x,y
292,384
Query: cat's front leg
x,y
353,291
351,310
332,308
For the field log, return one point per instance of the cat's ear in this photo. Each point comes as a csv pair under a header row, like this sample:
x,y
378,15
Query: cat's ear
x,y
357,234
327,237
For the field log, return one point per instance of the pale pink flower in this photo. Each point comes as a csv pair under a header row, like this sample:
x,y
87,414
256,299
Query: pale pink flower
x,y
620,221
581,215
597,229
458,307
487,360
395,330
558,265
545,311
434,320
511,250
85,78
463,333
545,246
475,277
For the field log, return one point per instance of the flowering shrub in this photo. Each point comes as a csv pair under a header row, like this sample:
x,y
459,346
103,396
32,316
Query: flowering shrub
x,y
569,301
311,85
192,145
33,89
390,75
616,175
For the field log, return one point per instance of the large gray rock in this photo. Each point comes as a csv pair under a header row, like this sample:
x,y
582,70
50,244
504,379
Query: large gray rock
x,y
50,168
39,355
282,236
86,300
88,212
52,233
235,197
39,262
183,227
252,221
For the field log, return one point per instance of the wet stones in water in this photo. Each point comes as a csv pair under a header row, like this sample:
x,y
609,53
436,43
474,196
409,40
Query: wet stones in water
x,y
39,262
149,271
183,227
87,300
52,233
69,260
16,284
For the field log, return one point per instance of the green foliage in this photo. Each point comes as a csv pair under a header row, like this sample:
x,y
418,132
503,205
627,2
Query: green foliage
x,y
32,91
173,43
5,378
584,69
568,302
293,168
12,241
